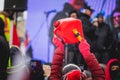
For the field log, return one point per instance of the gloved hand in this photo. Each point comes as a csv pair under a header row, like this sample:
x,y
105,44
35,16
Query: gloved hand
x,y
84,47
58,42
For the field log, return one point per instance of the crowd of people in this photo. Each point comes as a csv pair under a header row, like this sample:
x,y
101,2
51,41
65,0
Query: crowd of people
x,y
103,39
96,57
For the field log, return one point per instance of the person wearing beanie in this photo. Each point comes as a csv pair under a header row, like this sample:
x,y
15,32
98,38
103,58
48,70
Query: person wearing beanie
x,y
88,27
74,73
88,75
71,72
103,39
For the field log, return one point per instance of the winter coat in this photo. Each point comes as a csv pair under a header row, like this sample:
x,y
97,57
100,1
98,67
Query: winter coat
x,y
104,37
4,56
89,58
88,30
115,50
2,28
107,72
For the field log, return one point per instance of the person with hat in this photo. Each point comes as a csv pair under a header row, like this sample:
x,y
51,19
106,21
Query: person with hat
x,y
73,72
103,39
88,27
8,27
87,10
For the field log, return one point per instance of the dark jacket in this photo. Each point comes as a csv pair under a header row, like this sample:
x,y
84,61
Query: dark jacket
x,y
115,47
4,56
90,60
89,30
57,62
2,28
104,37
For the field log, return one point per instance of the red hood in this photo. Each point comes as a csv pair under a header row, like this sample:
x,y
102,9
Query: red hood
x,y
108,77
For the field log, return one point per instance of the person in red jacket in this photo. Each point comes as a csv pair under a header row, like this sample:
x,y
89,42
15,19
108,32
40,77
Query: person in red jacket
x,y
113,69
91,61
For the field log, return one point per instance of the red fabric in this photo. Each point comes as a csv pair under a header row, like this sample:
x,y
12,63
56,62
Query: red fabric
x,y
91,61
84,47
66,33
89,58
73,75
64,29
58,43
107,72
57,62
15,39
96,70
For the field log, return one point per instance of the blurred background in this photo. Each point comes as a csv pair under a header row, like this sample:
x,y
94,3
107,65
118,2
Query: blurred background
x,y
35,20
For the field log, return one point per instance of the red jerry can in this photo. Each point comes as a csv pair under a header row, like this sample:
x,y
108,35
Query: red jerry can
x,y
68,29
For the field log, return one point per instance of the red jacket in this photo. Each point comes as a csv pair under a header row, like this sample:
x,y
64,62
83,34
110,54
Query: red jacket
x,y
89,58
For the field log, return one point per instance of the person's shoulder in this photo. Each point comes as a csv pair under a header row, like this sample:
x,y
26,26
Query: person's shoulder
x,y
59,15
